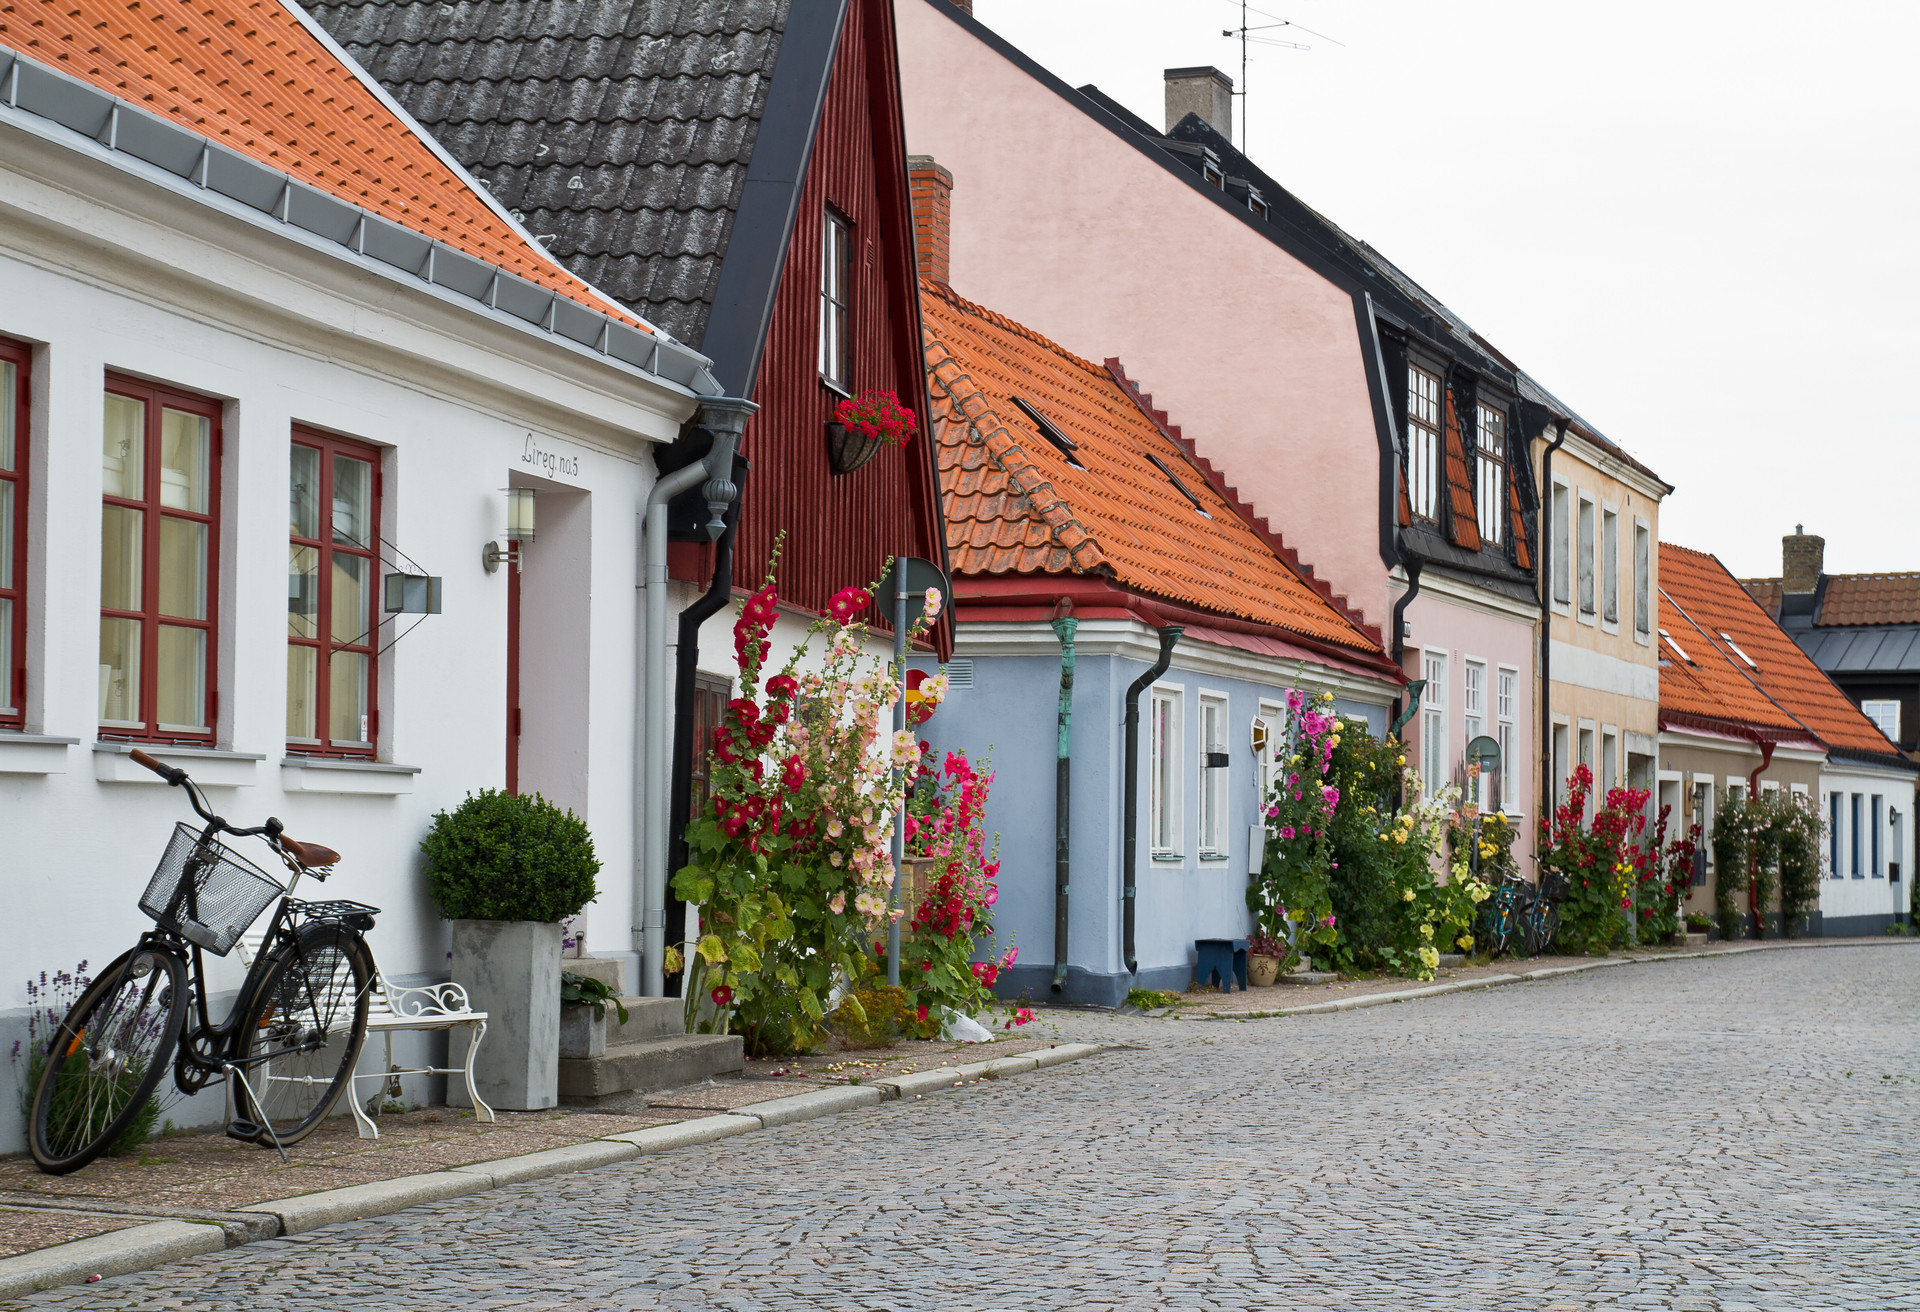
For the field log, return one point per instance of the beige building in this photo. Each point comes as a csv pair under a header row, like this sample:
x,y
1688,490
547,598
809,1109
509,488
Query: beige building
x,y
1598,669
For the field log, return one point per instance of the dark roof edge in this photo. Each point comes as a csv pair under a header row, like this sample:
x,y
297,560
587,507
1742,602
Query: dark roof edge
x,y
756,251
1887,760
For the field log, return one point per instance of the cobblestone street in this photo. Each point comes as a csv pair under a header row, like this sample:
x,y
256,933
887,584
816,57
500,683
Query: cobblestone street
x,y
1717,1134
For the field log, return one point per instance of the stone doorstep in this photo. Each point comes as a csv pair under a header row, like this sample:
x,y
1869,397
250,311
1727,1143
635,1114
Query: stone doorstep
x,y
649,1065
141,1247
606,971
1308,977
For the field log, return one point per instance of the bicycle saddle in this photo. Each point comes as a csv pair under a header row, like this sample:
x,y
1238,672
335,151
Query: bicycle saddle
x,y
311,856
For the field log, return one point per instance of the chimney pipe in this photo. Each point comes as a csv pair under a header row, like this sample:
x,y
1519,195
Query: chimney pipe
x,y
1802,556
964,6
932,190
1205,91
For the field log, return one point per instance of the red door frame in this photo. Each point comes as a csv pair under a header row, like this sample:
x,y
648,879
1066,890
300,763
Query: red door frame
x,y
513,675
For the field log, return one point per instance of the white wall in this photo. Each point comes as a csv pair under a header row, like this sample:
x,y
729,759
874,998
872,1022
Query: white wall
x,y
1847,898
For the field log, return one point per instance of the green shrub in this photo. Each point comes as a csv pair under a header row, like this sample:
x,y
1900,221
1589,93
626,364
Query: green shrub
x,y
501,857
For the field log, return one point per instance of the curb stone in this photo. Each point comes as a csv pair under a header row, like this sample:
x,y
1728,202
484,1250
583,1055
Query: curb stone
x,y
139,1248
120,1253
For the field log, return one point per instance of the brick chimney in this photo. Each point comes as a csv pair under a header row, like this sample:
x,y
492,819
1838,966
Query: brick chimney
x,y
932,189
1204,91
1802,557
964,6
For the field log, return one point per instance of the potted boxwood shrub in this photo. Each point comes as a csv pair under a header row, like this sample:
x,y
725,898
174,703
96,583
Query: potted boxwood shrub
x,y
506,870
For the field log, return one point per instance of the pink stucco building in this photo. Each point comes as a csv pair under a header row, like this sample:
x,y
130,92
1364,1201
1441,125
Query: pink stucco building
x,y
1376,433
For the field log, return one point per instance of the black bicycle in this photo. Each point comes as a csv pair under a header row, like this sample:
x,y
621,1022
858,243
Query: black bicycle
x,y
286,1050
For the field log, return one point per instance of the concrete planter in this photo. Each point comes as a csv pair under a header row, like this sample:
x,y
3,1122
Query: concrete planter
x,y
511,971
582,1035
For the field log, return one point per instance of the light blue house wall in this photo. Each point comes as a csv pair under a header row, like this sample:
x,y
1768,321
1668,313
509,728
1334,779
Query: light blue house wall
x,y
1009,713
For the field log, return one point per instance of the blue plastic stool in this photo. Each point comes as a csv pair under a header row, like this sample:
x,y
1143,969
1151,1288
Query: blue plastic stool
x,y
1225,957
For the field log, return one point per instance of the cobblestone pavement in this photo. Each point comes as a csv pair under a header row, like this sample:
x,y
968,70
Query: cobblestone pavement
x,y
1722,1134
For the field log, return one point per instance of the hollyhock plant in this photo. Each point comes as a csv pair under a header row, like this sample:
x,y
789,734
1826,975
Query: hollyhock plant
x,y
1600,860
1291,897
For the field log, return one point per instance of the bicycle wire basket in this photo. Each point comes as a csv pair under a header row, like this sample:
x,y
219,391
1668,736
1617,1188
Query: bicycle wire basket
x,y
230,891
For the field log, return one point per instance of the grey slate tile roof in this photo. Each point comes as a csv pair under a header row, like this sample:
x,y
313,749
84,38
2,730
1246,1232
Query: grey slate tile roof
x,y
619,130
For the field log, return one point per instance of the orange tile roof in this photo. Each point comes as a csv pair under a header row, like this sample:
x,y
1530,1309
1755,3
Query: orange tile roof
x,y
250,75
1723,614
1016,504
1850,599
1765,592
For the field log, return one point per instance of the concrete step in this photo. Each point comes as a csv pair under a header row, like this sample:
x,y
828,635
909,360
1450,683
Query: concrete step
x,y
651,1064
605,970
1452,960
1308,977
647,1018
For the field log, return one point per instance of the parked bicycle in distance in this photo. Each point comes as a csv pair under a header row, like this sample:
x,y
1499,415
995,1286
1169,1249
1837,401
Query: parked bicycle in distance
x,y
287,1048
1519,919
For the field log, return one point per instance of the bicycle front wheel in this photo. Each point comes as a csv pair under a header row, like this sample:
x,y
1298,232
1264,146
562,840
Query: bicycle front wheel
x,y
105,1058
302,1034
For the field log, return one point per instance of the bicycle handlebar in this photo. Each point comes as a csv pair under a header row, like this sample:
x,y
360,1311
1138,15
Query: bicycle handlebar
x,y
178,778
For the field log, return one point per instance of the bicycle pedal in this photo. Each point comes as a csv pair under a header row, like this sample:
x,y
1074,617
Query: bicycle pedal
x,y
245,1131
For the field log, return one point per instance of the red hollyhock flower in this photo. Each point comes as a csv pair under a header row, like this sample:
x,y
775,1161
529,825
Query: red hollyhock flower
x,y
794,773
722,995
847,603
922,1013
744,711
782,686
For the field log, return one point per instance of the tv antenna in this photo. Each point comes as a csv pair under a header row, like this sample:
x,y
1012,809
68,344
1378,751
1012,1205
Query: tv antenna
x,y
1246,35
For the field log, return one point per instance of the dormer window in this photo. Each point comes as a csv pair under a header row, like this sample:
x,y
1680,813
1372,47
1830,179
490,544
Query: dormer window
x,y
1210,171
1491,495
836,275
1423,441
1256,202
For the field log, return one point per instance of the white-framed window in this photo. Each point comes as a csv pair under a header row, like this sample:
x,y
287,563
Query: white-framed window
x,y
1492,498
1274,716
1562,545
1609,566
1560,767
1642,580
836,279
1473,718
1835,823
1857,822
1423,441
1585,530
1433,721
1703,816
1877,808
1897,836
1164,761
1885,714
1583,749
1214,771
1506,707
1609,772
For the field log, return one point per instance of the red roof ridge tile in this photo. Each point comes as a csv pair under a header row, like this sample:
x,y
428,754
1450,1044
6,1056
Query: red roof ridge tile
x,y
1260,524
998,320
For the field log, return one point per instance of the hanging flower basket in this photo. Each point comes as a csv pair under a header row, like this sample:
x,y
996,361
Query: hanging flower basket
x,y
862,424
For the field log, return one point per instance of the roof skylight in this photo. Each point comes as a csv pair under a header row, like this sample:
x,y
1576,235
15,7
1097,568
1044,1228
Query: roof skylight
x,y
1728,639
1065,445
1668,639
1174,479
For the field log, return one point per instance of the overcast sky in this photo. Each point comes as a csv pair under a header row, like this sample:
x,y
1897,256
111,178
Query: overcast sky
x,y
1695,223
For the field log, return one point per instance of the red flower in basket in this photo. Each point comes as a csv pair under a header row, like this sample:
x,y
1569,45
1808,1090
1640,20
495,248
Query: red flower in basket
x,y
876,414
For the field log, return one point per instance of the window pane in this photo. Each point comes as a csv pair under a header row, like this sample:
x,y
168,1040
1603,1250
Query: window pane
x,y
183,568
125,466
121,537
185,446
6,656
119,671
303,592
352,576
182,688
303,494
347,697
352,501
301,703
6,539
7,386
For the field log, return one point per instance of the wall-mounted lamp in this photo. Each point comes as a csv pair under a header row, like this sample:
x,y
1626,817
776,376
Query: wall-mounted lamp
x,y
413,594
519,532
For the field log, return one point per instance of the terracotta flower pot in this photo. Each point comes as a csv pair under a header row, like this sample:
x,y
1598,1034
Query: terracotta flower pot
x,y
1261,970
848,450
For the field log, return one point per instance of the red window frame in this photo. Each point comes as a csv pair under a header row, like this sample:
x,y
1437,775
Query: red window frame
x,y
156,397
323,744
13,587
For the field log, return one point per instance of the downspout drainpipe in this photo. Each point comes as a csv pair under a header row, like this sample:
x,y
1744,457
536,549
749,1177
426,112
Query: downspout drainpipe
x,y
1544,548
1063,629
725,418
1414,566
1130,808
1753,791
687,668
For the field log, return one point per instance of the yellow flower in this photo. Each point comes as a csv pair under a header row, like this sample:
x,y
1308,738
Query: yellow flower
x,y
1334,740
1406,895
1402,759
1464,942
1426,931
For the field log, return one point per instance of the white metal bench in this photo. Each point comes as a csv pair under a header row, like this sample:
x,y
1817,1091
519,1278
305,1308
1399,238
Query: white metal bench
x,y
392,1008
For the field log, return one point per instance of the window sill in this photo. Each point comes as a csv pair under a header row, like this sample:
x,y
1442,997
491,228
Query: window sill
x,y
835,388
33,753
1610,626
1587,617
211,767
332,774
1168,856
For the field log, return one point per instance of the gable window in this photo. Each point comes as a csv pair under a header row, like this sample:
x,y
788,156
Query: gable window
x,y
1213,778
1562,537
836,277
1610,567
13,534
1163,811
1884,713
1433,721
159,535
1505,706
1586,559
332,564
1642,583
1492,498
1423,441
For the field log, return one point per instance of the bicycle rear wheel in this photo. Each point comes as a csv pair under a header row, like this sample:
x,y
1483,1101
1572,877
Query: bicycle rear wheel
x,y
302,1034
105,1058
